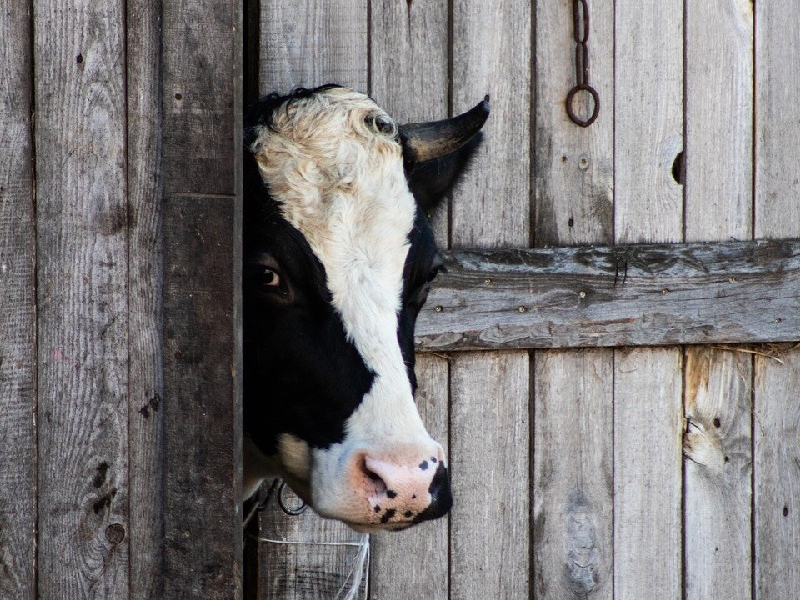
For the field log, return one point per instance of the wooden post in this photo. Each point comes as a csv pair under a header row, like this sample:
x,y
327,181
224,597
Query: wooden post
x,y
202,46
648,202
573,396
490,412
718,384
776,419
18,312
82,299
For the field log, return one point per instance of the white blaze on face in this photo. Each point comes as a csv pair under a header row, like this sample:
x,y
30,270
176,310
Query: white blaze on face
x,y
342,185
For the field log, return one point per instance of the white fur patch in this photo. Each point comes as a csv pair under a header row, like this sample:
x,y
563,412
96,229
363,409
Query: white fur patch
x,y
342,185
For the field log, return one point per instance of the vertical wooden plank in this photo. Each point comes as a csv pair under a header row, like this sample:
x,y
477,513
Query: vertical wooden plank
x,y
409,70
573,457
82,244
18,315
574,165
312,43
202,70
648,206
201,63
489,525
394,571
409,78
489,436
573,474
777,476
717,394
718,474
648,423
777,385
145,315
306,45
201,501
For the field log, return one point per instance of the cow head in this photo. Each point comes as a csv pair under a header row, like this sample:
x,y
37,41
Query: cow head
x,y
338,257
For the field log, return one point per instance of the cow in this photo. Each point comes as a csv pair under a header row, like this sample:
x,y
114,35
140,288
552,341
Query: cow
x,y
337,261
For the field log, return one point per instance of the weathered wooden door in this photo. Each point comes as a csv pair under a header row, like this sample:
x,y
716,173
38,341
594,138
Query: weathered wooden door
x,y
601,466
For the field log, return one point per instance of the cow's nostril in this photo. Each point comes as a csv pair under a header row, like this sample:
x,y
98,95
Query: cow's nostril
x,y
379,486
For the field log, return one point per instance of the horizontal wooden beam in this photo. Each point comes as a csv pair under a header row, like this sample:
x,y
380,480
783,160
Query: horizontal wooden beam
x,y
634,295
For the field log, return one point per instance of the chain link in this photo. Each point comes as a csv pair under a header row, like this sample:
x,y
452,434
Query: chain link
x,y
580,33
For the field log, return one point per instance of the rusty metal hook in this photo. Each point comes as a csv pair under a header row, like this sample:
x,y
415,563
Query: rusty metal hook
x,y
595,109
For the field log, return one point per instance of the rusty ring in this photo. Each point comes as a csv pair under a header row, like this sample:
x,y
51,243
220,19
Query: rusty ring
x,y
290,511
575,118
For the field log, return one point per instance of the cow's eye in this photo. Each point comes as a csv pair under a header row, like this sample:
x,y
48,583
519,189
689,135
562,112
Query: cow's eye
x,y
379,124
268,278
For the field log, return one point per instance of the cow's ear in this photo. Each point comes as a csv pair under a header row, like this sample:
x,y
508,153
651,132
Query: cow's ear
x,y
436,153
430,181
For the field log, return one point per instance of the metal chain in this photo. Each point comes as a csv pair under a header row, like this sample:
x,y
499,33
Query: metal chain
x,y
580,32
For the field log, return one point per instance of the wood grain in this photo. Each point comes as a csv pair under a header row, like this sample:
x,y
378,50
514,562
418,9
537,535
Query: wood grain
x,y
648,428
18,315
489,402
145,366
312,43
732,292
574,166
573,470
718,384
82,282
777,385
202,488
573,441
415,563
718,473
648,206
409,78
489,459
201,63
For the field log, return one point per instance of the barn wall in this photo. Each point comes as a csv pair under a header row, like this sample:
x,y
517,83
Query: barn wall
x,y
110,138
604,473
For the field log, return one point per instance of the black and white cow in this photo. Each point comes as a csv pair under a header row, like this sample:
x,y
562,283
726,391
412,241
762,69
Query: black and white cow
x,y
338,257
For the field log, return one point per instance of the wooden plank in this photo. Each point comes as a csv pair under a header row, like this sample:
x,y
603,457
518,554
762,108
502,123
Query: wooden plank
x,y
201,63
425,570
777,385
202,96
777,475
717,384
573,399
82,242
145,366
489,460
574,172
318,558
573,474
648,428
409,72
409,52
648,105
489,434
202,524
718,473
313,43
309,44
648,206
732,292
18,316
